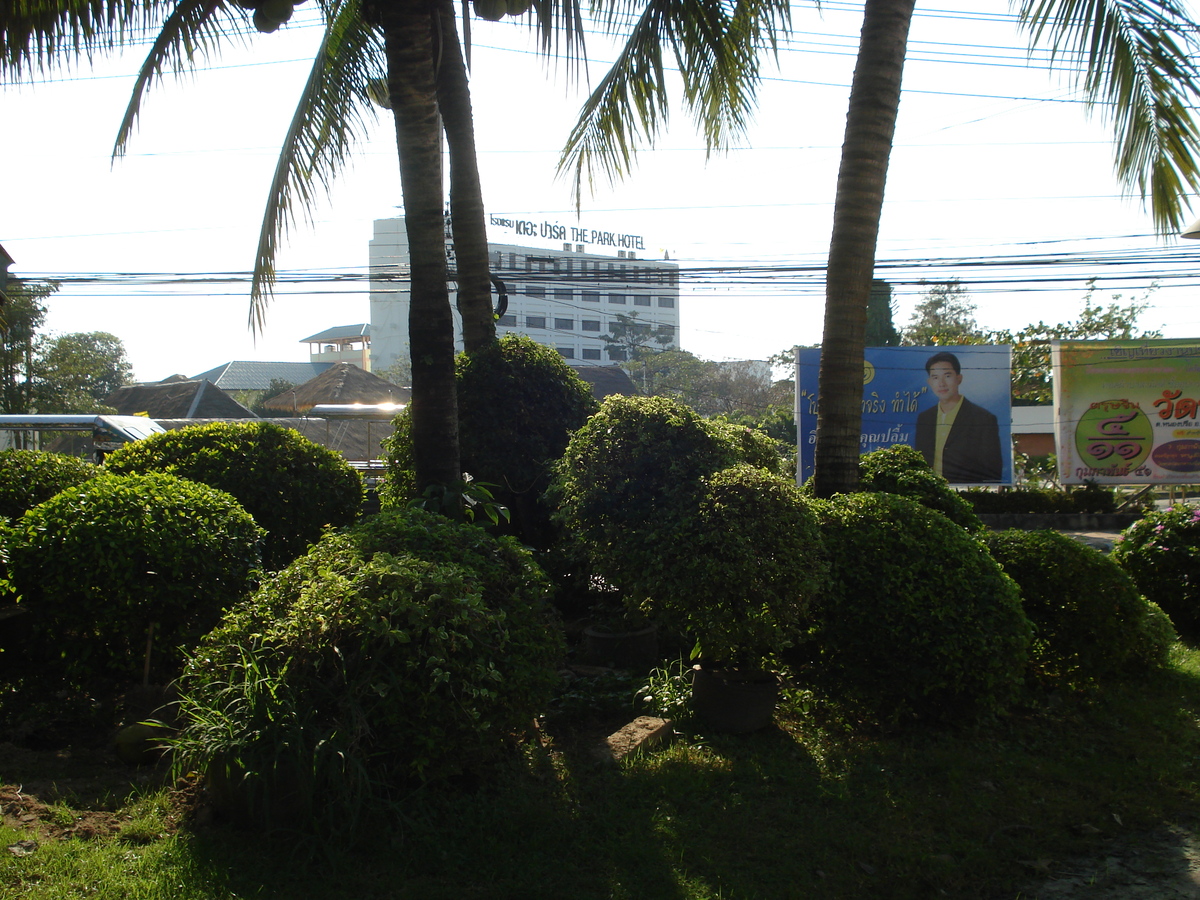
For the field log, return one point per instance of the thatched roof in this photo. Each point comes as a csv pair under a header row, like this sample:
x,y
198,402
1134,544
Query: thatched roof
x,y
341,383
174,399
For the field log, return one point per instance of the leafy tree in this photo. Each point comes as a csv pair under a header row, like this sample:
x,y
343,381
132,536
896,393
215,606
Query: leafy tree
x,y
23,315
881,332
1134,61
255,400
1032,382
75,372
945,316
399,372
631,341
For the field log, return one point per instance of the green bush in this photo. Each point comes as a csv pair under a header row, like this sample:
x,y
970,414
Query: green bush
x,y
1161,551
28,477
518,402
292,486
628,475
405,649
900,469
1026,499
1090,621
919,619
101,562
737,573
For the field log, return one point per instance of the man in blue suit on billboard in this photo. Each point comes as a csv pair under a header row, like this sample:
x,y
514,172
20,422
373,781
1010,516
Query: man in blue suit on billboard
x,y
960,439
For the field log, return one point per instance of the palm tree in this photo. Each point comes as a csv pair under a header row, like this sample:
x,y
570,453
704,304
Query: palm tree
x,y
416,45
1134,59
1135,62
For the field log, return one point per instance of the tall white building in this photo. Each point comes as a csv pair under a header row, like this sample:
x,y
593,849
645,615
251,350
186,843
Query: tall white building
x,y
566,298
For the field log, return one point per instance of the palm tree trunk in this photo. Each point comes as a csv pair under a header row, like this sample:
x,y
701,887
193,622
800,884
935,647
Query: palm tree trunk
x,y
408,40
866,149
467,215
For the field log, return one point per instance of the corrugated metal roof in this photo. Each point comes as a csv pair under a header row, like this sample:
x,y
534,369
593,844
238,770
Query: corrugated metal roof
x,y
250,375
339,333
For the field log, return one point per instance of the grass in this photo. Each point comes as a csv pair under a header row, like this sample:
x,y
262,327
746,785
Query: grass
x,y
798,810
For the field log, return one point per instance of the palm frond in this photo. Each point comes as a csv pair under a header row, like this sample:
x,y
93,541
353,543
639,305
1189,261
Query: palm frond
x,y
1134,60
37,35
716,48
332,115
190,27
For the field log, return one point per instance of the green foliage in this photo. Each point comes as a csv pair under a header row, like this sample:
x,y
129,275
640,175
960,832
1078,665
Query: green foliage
x,y
293,487
518,403
1162,553
628,475
23,315
881,332
1032,382
945,316
100,562
741,567
1090,621
900,469
1092,498
77,371
29,477
405,649
919,620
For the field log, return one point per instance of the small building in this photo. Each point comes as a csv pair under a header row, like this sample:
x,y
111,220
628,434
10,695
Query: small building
x,y
345,343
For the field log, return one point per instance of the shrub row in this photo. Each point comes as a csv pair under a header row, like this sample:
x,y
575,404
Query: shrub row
x,y
1091,499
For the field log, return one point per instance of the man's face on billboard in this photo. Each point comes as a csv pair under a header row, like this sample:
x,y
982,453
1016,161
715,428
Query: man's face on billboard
x,y
944,382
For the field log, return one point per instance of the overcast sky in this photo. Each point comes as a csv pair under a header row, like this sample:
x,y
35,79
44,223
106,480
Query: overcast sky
x,y
999,177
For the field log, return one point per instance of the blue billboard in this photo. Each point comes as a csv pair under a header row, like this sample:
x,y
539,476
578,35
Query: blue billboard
x,y
954,404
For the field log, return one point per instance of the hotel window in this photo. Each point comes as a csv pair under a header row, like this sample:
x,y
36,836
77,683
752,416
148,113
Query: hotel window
x,y
509,320
590,324
591,296
566,352
591,352
618,299
616,354
535,321
535,290
562,296
564,324
639,300
666,302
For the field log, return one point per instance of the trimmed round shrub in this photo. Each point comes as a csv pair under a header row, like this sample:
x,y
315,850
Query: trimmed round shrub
x,y
518,403
628,475
101,562
901,469
919,620
739,571
1090,621
403,650
28,477
292,486
1161,551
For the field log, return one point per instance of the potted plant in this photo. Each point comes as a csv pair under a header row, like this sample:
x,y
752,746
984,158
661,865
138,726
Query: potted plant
x,y
737,579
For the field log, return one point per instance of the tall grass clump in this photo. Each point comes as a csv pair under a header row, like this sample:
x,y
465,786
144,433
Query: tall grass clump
x,y
403,651
919,620
1090,621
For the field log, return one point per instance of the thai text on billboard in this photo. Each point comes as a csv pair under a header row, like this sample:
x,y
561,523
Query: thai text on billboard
x,y
1127,411
951,403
